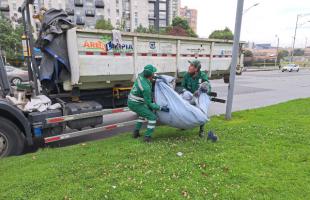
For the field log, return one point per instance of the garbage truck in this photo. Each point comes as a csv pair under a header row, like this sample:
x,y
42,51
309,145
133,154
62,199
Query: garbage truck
x,y
102,69
98,63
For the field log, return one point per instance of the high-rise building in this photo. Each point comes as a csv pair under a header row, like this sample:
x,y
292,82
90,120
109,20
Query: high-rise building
x,y
135,13
86,12
175,6
159,13
9,9
123,14
48,4
191,16
147,13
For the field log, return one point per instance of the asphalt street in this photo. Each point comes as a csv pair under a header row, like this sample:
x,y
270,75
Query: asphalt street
x,y
252,90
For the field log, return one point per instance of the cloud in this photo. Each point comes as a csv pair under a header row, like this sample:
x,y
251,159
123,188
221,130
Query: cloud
x,y
260,24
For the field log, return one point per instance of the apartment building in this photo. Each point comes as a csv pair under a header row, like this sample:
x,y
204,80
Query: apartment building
x,y
191,16
124,14
159,13
175,6
9,9
136,13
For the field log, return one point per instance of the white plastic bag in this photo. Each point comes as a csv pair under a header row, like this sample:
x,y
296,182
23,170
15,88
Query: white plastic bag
x,y
182,114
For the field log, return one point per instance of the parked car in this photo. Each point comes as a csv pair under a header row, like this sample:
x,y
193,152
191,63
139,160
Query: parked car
x,y
290,68
15,75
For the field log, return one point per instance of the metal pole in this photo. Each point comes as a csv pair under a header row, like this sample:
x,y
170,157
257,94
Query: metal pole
x,y
31,45
294,39
234,60
276,60
246,10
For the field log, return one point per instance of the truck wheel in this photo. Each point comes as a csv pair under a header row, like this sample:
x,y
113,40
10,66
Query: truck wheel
x,y
226,78
12,141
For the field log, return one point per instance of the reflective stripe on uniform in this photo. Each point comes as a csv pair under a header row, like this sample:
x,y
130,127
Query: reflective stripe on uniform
x,y
150,127
135,98
140,84
152,122
140,120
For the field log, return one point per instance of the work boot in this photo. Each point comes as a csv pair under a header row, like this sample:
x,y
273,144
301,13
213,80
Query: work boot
x,y
147,139
202,133
212,136
136,134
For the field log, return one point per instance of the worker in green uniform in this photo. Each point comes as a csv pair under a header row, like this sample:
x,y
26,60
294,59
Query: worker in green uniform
x,y
140,102
192,80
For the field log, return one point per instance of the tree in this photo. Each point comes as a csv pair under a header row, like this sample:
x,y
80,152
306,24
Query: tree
x,y
282,54
248,53
248,58
176,31
225,34
180,27
104,24
11,40
298,52
141,29
151,30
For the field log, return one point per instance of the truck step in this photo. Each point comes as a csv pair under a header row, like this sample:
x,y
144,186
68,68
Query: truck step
x,y
87,131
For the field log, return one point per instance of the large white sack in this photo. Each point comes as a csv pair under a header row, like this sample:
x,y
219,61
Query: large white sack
x,y
182,114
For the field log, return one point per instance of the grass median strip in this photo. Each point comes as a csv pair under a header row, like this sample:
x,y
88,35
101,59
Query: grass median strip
x,y
262,154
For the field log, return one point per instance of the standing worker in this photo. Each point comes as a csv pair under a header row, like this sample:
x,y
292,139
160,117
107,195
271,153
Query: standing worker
x,y
191,82
140,102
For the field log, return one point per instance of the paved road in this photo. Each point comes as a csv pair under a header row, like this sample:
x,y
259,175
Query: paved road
x,y
258,89
253,90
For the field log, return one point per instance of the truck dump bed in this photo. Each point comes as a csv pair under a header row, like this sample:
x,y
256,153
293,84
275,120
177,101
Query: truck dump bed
x,y
98,63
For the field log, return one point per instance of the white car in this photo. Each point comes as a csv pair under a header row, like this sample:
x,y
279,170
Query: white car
x,y
290,68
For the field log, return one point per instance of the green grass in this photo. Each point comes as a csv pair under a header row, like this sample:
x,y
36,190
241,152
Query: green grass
x,y
262,154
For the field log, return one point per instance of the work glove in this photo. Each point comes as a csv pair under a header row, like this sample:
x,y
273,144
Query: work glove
x,y
204,87
164,109
181,91
196,94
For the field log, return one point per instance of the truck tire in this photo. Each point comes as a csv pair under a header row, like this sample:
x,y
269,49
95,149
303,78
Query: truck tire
x,y
12,141
226,78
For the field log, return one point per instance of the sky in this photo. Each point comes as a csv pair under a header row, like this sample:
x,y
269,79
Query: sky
x,y
260,24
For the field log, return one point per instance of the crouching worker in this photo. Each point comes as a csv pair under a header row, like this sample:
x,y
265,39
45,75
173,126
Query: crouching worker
x,y
192,81
140,102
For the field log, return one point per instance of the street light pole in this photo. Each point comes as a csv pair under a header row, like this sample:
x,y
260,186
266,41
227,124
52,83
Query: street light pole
x,y
246,10
234,60
294,39
277,54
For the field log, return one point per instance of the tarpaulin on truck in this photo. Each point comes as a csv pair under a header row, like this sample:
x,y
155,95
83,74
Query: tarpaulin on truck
x,y
182,113
52,41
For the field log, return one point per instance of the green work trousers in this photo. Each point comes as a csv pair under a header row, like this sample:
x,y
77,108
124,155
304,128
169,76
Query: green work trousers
x,y
144,112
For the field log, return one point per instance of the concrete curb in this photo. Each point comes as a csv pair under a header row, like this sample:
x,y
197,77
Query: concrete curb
x,y
270,69
261,69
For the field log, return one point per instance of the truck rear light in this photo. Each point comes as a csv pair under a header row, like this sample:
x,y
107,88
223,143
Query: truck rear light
x,y
52,139
111,127
118,110
55,120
